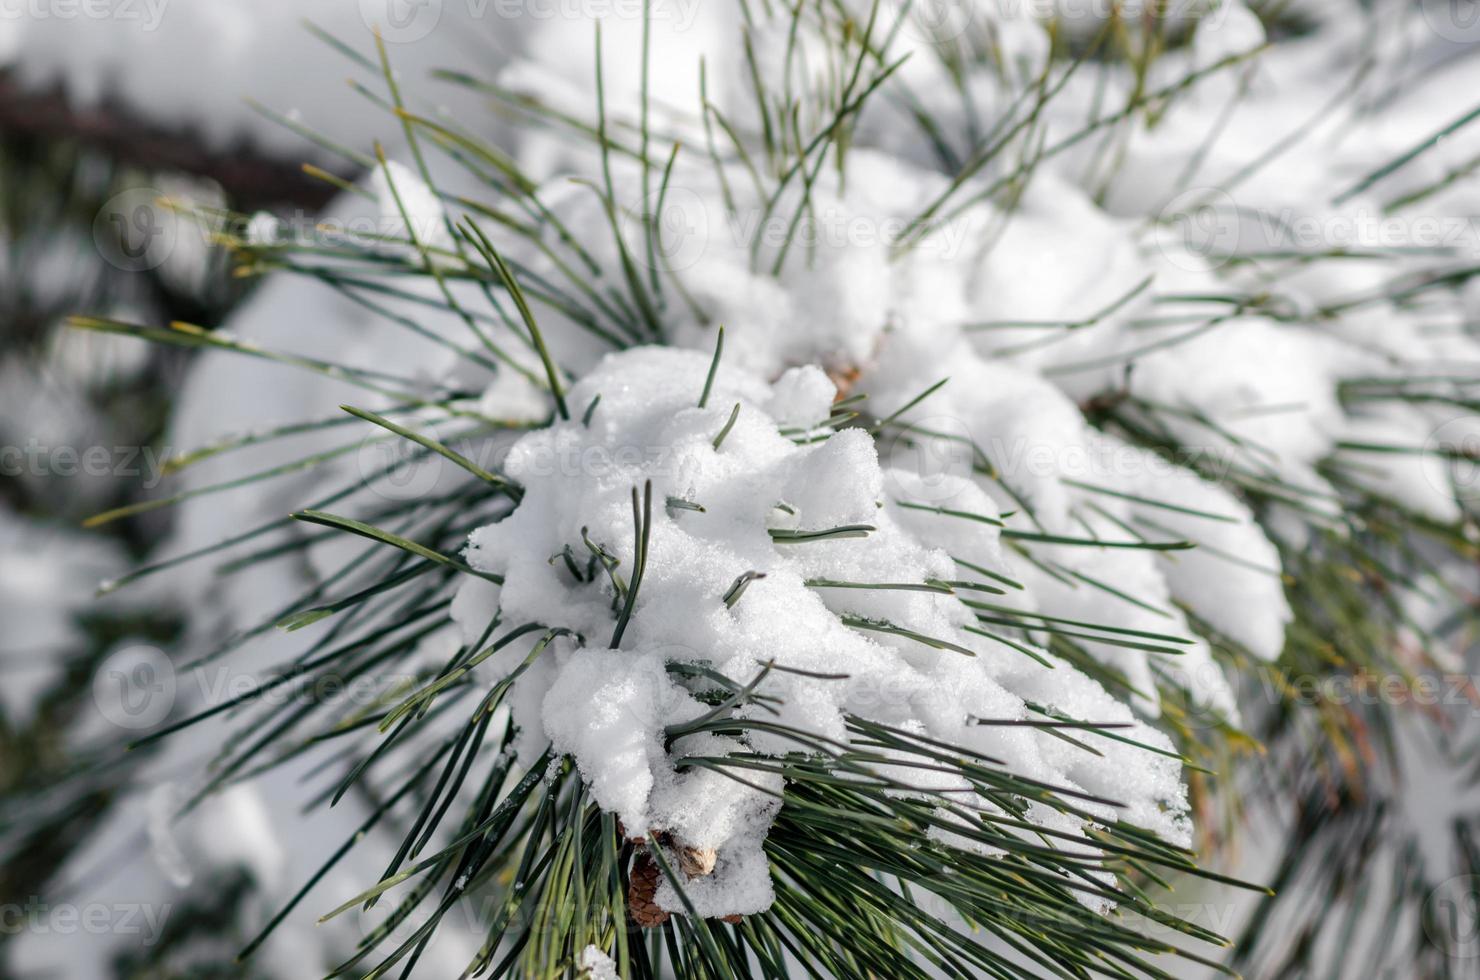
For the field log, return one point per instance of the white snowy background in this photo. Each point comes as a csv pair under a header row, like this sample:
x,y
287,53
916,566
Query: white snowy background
x,y
86,420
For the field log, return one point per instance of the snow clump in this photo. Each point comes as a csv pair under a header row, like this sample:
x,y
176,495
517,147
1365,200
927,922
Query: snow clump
x,y
775,548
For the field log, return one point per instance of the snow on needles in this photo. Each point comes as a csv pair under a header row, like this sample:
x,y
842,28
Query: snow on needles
x,y
775,556
776,546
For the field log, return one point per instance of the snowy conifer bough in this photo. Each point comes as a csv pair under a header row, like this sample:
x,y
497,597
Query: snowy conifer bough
x,y
838,508
778,602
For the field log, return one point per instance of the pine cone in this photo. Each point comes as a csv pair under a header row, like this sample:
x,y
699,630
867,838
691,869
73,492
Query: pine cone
x,y
642,893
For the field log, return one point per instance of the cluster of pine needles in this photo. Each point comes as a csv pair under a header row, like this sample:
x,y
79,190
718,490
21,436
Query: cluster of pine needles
x,y
863,888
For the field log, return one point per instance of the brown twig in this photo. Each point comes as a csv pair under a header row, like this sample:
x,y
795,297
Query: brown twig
x,y
250,178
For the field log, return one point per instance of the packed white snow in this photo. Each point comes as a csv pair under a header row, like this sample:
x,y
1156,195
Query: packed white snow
x,y
749,493
597,965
